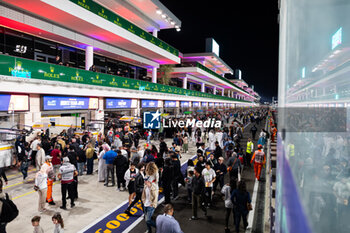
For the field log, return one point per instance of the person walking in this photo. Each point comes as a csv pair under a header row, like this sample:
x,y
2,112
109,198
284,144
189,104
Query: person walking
x,y
198,189
226,191
209,176
66,175
129,178
41,188
166,223
253,130
139,184
249,150
220,170
240,199
150,201
259,159
167,177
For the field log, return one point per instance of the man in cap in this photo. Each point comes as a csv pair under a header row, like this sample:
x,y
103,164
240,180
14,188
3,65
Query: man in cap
x,y
48,168
259,159
66,175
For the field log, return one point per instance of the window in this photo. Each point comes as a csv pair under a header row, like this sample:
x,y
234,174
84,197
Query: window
x,y
18,44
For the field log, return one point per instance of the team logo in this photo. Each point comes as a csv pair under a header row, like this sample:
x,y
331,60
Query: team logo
x,y
151,120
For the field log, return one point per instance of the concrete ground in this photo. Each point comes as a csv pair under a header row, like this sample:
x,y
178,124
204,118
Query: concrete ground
x,y
94,200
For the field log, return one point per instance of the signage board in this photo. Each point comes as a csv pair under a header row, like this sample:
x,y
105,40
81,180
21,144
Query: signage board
x,y
171,104
10,102
69,103
151,104
112,103
185,104
196,104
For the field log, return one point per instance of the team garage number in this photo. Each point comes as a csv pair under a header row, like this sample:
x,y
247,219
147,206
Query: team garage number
x,y
120,219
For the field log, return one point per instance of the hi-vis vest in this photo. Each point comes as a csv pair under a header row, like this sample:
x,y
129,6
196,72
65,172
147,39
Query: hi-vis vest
x,y
259,156
291,151
249,147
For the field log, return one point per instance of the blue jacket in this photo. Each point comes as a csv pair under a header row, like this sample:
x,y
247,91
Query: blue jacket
x,y
109,156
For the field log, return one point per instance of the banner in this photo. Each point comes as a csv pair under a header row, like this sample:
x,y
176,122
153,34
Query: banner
x,y
69,103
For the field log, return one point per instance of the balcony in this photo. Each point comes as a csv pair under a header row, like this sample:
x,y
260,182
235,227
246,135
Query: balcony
x,y
29,69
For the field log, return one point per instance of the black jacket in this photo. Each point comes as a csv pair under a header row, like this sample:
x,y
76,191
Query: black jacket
x,y
198,185
121,164
139,183
167,175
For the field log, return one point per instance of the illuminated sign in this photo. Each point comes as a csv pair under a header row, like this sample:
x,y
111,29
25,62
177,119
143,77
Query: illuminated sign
x,y
196,104
14,102
204,104
170,104
337,38
211,104
112,103
151,103
185,104
69,103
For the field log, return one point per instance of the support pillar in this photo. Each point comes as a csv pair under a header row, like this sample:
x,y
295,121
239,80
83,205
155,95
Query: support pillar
x,y
184,83
154,75
203,87
89,57
155,33
214,90
223,92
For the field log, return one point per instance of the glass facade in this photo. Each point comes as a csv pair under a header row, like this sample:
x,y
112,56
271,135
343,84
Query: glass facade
x,y
313,117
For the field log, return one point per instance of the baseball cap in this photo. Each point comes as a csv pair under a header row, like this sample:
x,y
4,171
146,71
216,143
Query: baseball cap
x,y
47,157
65,159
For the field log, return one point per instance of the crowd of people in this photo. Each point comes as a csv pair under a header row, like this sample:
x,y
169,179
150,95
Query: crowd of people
x,y
144,169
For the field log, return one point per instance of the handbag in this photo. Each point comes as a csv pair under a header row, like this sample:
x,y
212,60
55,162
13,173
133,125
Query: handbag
x,y
36,188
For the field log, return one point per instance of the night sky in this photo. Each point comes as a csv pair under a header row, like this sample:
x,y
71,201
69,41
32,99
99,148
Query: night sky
x,y
246,31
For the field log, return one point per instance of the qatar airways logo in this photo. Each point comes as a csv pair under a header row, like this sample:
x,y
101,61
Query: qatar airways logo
x,y
152,120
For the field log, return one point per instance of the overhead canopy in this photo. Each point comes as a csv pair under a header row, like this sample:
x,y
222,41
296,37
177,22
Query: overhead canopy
x,y
98,22
210,60
146,14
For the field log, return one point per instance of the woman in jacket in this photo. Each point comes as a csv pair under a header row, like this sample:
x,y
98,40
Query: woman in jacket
x,y
41,186
150,200
129,178
240,199
139,184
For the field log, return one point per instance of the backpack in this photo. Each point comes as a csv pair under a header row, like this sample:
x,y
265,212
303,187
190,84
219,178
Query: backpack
x,y
9,210
230,146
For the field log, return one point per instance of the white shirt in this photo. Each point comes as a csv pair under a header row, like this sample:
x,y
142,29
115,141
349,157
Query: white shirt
x,y
41,180
34,145
208,176
148,196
